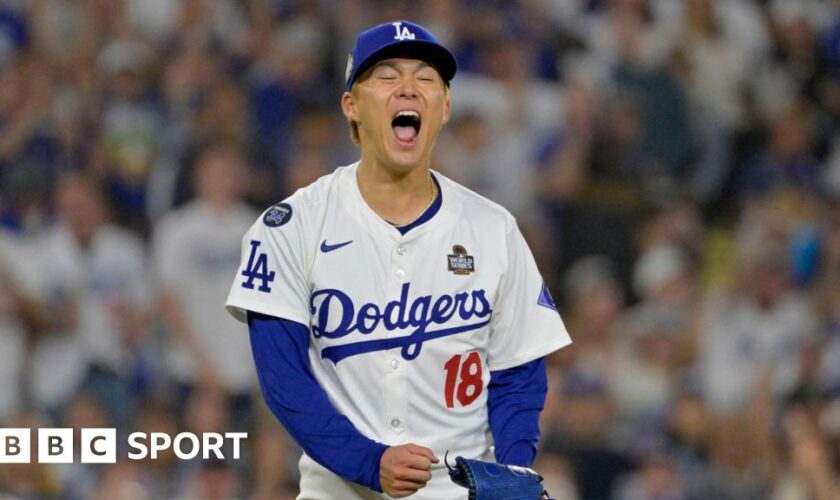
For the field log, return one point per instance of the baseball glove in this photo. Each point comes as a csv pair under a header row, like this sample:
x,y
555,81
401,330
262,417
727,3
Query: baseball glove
x,y
490,481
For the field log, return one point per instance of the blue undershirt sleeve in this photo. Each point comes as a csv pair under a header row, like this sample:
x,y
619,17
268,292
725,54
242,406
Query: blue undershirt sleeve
x,y
280,348
515,398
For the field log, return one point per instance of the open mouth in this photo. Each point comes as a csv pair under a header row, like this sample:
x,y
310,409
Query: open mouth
x,y
406,126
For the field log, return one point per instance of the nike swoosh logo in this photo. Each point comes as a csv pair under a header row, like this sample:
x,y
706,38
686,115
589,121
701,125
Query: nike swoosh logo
x,y
329,248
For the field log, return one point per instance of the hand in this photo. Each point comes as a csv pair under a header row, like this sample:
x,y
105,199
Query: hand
x,y
405,469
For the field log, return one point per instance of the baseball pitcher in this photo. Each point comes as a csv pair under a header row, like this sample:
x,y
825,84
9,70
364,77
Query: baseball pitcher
x,y
395,315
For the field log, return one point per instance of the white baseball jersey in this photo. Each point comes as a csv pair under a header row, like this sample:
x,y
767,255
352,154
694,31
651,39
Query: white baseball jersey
x,y
14,267
196,249
101,283
405,329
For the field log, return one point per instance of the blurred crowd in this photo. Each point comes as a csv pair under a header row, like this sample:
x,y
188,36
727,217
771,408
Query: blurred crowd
x,y
675,166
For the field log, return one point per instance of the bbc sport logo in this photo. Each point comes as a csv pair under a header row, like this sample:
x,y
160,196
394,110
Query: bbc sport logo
x,y
99,445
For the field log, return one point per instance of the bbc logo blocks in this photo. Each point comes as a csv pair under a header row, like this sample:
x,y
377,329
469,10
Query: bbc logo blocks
x,y
14,446
56,446
99,446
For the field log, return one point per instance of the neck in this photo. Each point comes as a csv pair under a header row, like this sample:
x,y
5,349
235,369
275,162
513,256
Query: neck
x,y
83,237
398,197
216,205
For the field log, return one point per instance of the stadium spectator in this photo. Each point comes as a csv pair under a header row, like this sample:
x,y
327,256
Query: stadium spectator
x,y
92,284
195,247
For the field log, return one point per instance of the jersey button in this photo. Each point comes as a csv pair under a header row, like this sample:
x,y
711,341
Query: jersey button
x,y
395,422
400,250
395,364
400,274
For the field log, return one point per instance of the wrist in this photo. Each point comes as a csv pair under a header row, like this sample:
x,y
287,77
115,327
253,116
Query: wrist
x,y
377,450
520,453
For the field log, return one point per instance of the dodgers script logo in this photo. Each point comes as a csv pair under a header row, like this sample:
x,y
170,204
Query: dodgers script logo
x,y
422,313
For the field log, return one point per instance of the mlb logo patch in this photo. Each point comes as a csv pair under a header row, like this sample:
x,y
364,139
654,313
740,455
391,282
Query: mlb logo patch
x,y
459,262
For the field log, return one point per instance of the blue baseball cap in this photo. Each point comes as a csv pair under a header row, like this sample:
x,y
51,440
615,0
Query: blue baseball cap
x,y
398,39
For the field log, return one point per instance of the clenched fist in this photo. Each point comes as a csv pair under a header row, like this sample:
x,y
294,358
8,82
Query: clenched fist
x,y
405,469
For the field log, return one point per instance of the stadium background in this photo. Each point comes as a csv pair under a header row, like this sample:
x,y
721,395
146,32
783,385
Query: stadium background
x,y
675,166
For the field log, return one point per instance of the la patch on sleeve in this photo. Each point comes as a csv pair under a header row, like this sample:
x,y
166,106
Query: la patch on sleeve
x,y
257,269
278,215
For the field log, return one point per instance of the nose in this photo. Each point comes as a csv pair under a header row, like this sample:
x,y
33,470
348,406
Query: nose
x,y
407,88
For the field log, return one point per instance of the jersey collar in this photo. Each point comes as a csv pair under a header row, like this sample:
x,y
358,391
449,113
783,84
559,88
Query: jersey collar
x,y
436,214
427,215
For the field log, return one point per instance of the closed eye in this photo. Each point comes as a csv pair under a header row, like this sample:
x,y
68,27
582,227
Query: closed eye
x,y
383,72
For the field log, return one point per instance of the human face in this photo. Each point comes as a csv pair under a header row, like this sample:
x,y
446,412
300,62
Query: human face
x,y
400,105
79,206
220,178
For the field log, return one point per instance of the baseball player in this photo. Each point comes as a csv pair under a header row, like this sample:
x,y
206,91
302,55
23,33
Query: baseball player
x,y
395,315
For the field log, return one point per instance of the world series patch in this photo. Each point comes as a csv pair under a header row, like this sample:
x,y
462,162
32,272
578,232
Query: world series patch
x,y
459,262
278,215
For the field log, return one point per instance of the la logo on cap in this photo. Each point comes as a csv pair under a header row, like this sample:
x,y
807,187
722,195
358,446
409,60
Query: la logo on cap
x,y
402,32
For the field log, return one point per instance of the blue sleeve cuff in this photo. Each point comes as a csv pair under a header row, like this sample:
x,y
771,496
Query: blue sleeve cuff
x,y
515,398
520,453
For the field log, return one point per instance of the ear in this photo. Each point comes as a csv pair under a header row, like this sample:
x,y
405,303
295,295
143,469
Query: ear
x,y
348,107
447,107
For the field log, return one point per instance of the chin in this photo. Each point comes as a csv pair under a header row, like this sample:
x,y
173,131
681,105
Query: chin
x,y
406,158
